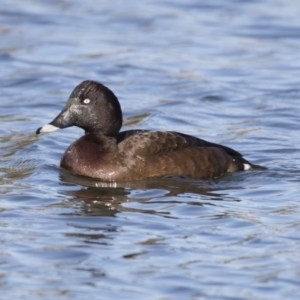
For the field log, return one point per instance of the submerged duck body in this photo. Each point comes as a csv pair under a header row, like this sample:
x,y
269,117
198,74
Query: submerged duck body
x,y
109,155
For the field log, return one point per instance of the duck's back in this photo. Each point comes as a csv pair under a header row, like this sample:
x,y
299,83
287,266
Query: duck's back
x,y
158,153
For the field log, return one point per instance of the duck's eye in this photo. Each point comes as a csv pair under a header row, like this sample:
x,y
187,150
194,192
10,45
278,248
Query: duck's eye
x,y
86,101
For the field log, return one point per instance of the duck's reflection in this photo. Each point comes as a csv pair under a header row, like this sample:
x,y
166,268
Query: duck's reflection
x,y
108,198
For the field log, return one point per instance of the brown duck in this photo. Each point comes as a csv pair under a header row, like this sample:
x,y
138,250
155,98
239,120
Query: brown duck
x,y
107,154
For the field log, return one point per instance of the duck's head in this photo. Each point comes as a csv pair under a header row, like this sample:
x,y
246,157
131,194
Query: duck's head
x,y
92,107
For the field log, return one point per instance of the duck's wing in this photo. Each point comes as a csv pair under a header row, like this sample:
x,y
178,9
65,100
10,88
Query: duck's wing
x,y
147,143
157,153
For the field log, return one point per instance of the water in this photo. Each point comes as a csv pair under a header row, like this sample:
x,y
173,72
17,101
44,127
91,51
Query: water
x,y
226,71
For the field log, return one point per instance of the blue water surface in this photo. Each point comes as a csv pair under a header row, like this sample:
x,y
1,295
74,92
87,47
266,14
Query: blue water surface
x,y
225,71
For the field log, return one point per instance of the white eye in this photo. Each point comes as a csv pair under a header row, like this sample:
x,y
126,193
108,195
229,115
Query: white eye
x,y
86,101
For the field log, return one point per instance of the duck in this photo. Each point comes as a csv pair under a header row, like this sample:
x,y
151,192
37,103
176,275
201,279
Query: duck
x,y
107,154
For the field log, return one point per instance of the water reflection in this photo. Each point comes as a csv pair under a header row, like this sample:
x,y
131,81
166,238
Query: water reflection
x,y
107,199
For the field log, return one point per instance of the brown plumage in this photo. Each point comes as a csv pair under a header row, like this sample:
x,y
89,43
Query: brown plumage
x,y
105,153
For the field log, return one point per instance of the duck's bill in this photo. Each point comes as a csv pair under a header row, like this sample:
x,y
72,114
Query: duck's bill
x,y
47,128
63,120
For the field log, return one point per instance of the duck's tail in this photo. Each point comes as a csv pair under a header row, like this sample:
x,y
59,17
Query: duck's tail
x,y
241,164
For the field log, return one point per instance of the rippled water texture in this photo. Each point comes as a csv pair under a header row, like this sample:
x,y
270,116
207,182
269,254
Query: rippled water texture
x,y
226,71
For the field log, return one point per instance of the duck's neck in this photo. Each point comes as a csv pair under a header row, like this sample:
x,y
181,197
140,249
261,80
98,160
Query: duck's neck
x,y
100,138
